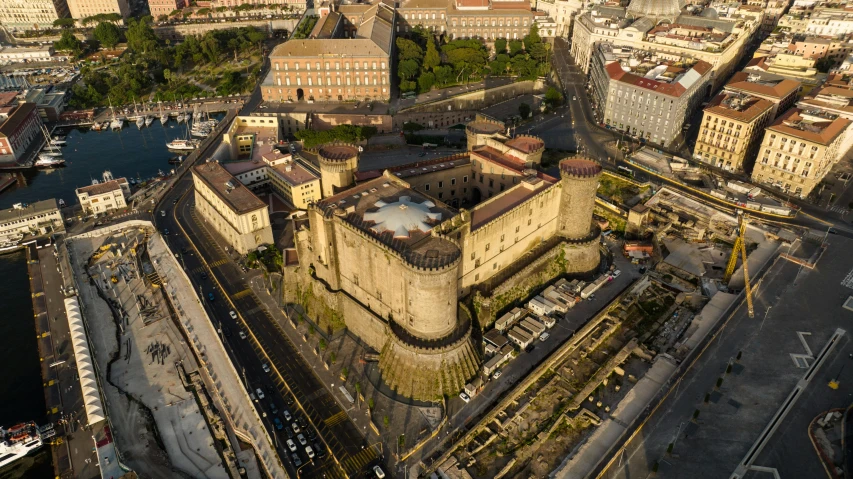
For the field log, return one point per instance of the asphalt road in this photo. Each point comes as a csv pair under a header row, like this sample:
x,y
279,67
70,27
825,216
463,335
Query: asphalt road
x,y
300,391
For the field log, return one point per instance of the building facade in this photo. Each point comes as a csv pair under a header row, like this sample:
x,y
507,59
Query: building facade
x,y
86,8
650,100
165,7
230,208
732,126
37,218
18,131
798,150
104,197
348,57
780,91
20,15
484,19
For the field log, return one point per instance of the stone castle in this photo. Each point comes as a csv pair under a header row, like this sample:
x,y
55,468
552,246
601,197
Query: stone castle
x,y
392,252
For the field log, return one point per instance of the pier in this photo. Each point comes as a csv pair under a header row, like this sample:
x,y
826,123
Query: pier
x,y
72,446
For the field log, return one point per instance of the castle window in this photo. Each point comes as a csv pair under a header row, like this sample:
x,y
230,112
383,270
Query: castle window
x,y
528,222
503,187
477,277
452,192
441,184
494,266
426,187
517,228
440,195
452,181
502,238
488,245
465,178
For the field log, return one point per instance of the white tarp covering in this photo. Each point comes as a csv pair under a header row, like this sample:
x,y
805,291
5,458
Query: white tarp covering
x,y
85,368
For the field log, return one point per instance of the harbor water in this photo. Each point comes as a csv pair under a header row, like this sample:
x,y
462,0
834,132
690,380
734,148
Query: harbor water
x,y
130,152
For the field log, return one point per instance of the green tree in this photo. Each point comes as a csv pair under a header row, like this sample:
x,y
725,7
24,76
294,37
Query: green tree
x,y
532,37
524,110
553,97
443,74
107,34
407,69
431,57
500,46
64,22
426,81
409,50
68,43
515,47
140,36
824,64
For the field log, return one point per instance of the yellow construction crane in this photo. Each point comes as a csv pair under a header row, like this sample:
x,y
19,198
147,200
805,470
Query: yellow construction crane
x,y
740,248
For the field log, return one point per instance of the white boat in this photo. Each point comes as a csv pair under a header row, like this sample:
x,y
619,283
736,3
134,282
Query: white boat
x,y
149,120
50,154
181,117
51,149
202,132
140,122
18,441
58,142
182,145
49,162
117,124
189,115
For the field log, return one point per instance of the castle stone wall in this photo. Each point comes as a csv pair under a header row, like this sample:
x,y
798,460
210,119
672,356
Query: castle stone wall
x,y
577,205
505,239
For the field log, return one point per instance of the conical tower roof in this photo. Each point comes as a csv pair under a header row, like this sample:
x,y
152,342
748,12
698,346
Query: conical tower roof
x,y
656,9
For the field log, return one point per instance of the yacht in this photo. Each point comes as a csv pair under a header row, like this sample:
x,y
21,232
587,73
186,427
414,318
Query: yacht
x,y
182,145
201,131
19,441
58,141
49,161
140,121
97,126
117,124
181,117
149,120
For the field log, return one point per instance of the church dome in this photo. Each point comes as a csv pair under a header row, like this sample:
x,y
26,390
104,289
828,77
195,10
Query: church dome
x,y
657,9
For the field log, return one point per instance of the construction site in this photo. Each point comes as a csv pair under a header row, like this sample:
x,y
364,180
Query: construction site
x,y
160,412
564,417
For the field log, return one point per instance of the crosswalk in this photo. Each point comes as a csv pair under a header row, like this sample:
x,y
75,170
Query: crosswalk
x,y
218,263
354,463
336,419
840,209
848,280
241,294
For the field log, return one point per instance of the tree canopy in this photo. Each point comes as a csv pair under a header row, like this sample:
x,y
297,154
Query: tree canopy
x,y
68,43
107,34
346,133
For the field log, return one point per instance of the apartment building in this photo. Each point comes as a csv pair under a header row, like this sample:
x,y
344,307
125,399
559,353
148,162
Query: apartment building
x,y
348,56
661,27
228,206
86,8
834,97
18,131
732,125
562,11
645,98
798,150
19,15
788,65
780,91
103,197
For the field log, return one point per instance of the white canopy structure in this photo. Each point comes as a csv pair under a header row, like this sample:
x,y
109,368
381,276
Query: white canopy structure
x,y
85,368
402,216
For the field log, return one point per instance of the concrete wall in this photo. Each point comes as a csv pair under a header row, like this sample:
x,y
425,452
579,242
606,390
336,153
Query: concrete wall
x,y
451,186
565,258
327,121
177,32
240,241
432,119
479,99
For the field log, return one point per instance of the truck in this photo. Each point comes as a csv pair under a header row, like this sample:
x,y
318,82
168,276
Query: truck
x,y
594,286
430,145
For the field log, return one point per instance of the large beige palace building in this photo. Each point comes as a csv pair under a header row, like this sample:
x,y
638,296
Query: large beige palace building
x,y
29,14
348,56
86,8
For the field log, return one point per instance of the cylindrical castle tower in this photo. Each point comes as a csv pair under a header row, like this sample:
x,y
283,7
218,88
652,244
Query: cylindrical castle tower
x,y
338,163
579,180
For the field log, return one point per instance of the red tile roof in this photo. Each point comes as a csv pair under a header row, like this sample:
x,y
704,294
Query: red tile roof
x,y
829,129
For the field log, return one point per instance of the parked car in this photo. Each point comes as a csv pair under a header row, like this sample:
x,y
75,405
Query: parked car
x,y
497,373
296,461
211,296
464,397
617,273
310,452
302,440
295,428
291,445
378,471
320,450
242,334
287,415
278,424
265,367
544,336
260,393
233,315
